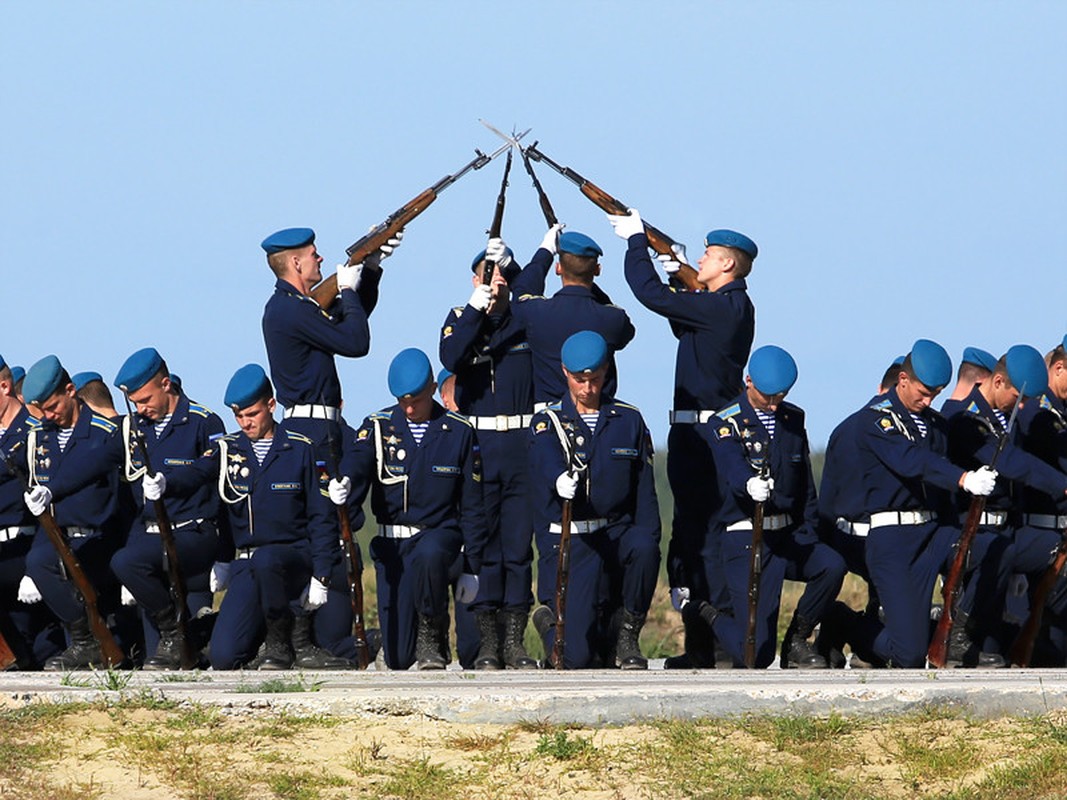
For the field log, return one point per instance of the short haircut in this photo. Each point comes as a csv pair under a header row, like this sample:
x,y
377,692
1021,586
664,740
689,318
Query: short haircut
x,y
889,379
278,262
96,393
1002,368
742,262
5,374
578,268
1055,356
972,373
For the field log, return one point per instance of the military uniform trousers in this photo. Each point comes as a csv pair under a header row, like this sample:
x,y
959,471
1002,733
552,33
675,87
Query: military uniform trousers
x,y
32,632
264,586
94,551
413,579
787,554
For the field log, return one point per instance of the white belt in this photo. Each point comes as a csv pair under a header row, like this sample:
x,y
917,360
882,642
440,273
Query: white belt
x,y
579,526
993,519
153,527
852,528
398,531
244,553
773,522
74,532
1049,521
501,422
882,518
313,411
7,534
690,417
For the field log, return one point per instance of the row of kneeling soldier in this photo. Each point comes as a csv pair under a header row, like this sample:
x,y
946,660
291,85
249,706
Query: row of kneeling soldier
x,y
118,531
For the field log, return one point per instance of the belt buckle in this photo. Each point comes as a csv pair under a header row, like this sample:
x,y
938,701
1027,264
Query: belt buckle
x,y
501,422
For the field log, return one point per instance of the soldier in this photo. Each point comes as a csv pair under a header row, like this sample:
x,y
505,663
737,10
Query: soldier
x,y
71,471
485,346
91,388
175,432
596,452
895,486
420,463
714,328
578,305
975,367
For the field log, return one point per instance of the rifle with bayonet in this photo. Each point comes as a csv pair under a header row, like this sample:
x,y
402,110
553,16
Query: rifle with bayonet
x,y
563,563
178,595
1022,649
498,219
657,239
325,293
755,572
109,648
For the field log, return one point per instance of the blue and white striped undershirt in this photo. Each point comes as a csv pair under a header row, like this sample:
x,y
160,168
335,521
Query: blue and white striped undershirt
x,y
920,423
162,425
418,430
591,419
768,420
63,436
261,447
1002,418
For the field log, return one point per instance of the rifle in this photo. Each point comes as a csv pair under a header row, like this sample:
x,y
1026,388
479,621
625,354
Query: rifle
x,y
1022,649
353,565
358,251
178,595
7,656
498,220
937,653
109,648
657,239
563,564
755,571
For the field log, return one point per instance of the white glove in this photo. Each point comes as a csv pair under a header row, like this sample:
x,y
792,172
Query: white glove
x,y
316,595
126,597
627,225
466,588
567,485
980,482
339,490
37,499
390,246
219,578
549,242
348,276
28,591
497,252
679,597
669,263
759,489
154,486
481,297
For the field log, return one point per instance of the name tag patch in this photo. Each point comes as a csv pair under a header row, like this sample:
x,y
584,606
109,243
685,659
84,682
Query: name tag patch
x,y
625,452
285,487
439,470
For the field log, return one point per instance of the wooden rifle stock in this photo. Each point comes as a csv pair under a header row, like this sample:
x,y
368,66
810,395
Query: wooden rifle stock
x,y
7,656
1022,649
937,654
563,573
657,239
755,570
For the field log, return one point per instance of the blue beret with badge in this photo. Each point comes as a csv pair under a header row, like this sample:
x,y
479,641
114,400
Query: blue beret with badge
x,y
584,351
478,259
1026,370
43,379
138,369
81,378
727,238
247,386
578,244
931,364
17,374
772,370
980,358
409,372
287,239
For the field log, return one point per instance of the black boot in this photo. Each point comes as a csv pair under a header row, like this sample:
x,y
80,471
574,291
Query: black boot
x,y
84,652
797,651
309,656
628,647
834,632
428,644
964,652
515,655
489,647
169,651
276,653
699,645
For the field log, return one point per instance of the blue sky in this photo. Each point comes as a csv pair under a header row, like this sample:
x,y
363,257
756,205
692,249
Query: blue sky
x,y
901,166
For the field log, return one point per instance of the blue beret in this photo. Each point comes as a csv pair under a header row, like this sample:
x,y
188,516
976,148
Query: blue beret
x,y
578,244
584,351
176,382
409,372
17,374
1026,370
80,379
478,259
931,364
2,362
980,358
248,385
443,376
727,238
42,380
1063,344
898,361
138,369
772,369
287,239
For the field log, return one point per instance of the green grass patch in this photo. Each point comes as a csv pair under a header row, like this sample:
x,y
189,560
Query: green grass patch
x,y
281,685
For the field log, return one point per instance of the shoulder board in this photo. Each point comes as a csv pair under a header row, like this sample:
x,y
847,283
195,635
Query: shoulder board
x,y
729,411
531,297
103,423
458,418
33,423
1045,402
881,405
457,310
299,437
200,410
619,404
973,408
383,414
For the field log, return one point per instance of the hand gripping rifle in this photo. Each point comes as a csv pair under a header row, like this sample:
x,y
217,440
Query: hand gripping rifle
x,y
657,239
563,565
325,293
353,564
498,220
937,654
755,571
108,646
178,595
